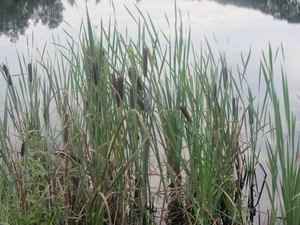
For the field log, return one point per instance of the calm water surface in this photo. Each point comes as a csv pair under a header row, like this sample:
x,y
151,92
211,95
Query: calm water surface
x,y
237,29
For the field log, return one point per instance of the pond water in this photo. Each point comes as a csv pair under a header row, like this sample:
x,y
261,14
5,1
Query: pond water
x,y
238,26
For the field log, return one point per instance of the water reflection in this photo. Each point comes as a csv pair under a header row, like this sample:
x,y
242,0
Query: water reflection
x,y
16,14
288,10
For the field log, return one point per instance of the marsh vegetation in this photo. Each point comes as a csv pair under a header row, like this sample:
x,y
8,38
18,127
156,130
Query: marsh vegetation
x,y
115,130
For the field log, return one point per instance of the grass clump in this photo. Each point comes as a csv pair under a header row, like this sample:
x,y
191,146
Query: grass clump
x,y
116,131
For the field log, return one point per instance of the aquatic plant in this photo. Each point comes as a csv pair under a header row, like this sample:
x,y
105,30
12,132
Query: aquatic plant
x,y
116,131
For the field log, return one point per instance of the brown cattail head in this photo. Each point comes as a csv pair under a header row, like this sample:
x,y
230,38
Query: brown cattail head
x,y
88,63
131,98
139,84
233,106
114,81
9,81
185,113
130,73
23,148
95,73
145,61
215,91
120,90
140,103
66,131
29,66
251,119
225,76
135,78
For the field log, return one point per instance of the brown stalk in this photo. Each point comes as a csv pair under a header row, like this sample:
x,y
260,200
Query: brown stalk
x,y
68,155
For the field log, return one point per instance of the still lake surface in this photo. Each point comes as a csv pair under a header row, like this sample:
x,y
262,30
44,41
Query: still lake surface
x,y
236,29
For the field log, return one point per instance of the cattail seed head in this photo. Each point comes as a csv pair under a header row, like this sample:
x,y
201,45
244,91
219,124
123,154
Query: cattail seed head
x,y
29,66
120,90
130,73
131,98
185,113
5,70
139,84
9,81
88,64
23,148
233,106
225,76
251,119
114,82
141,103
145,61
95,73
135,78
215,91
66,131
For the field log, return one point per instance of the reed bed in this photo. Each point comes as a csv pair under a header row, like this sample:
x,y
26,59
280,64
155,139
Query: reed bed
x,y
116,131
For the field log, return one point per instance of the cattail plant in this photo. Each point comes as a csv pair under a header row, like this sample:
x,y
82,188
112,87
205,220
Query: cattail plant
x,y
29,66
23,148
225,76
7,74
66,129
132,98
114,81
185,113
145,61
95,73
233,107
190,136
120,90
250,114
135,78
140,103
